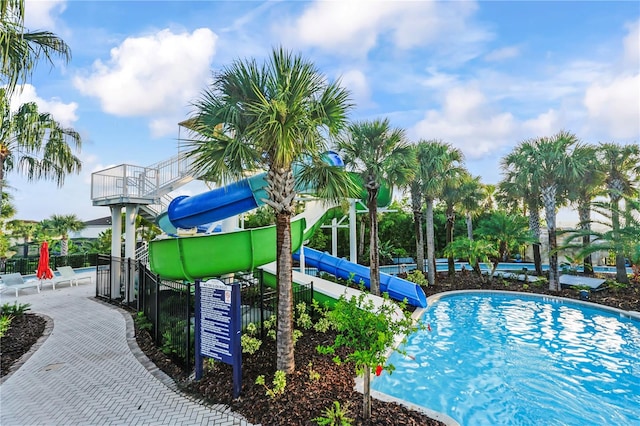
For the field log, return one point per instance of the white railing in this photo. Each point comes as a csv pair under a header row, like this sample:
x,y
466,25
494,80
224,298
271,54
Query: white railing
x,y
142,253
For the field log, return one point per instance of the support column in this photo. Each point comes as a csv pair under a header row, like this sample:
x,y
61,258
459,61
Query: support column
x,y
334,237
353,239
131,210
116,249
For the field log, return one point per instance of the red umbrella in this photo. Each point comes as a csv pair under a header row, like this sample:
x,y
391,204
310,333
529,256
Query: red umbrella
x,y
44,271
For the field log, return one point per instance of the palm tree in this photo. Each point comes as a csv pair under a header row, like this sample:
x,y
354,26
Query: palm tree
x,y
378,153
620,164
452,195
60,225
271,117
23,229
508,230
472,195
415,189
583,193
555,167
437,161
517,185
35,144
22,49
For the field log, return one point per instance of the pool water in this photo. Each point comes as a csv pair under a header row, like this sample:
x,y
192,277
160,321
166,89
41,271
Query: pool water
x,y
497,359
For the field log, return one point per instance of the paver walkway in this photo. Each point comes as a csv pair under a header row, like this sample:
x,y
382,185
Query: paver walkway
x,y
86,374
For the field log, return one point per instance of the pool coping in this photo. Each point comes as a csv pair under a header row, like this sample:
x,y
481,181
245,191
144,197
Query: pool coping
x,y
445,418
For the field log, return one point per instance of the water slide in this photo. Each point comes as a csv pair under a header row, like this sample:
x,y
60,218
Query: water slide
x,y
211,255
397,288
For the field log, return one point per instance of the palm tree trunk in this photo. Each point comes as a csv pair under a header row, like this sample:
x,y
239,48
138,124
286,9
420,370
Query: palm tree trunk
x,y
416,206
534,225
549,200
431,245
469,221
449,230
64,246
374,257
285,353
621,269
584,215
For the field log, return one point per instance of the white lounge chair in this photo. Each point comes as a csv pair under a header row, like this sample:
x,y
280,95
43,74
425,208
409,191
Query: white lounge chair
x,y
16,282
68,275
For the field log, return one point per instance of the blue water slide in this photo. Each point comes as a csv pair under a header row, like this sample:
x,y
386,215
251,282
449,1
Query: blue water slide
x,y
221,203
397,288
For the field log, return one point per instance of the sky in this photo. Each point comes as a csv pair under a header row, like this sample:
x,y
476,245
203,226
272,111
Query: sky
x,y
480,75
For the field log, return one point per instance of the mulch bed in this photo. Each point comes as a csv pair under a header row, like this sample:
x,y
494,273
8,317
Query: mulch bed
x,y
25,330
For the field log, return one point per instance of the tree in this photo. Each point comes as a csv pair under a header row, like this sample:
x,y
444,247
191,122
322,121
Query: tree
x,y
36,144
23,229
271,117
620,164
584,192
508,230
437,160
452,195
370,331
472,195
60,225
625,240
378,153
477,251
554,168
23,49
517,185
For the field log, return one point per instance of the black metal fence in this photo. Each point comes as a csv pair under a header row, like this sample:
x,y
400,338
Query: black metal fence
x,y
29,265
169,306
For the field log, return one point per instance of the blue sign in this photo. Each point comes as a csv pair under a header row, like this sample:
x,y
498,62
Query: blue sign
x,y
218,325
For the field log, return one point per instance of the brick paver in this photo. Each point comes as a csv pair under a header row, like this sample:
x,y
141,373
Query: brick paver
x,y
89,371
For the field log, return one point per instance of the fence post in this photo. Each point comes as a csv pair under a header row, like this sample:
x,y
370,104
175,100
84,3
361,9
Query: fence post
x,y
156,320
188,360
261,278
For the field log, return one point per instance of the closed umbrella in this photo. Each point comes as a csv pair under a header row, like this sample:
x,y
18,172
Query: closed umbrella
x,y
44,272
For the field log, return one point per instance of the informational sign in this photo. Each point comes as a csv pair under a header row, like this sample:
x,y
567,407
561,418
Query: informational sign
x,y
218,326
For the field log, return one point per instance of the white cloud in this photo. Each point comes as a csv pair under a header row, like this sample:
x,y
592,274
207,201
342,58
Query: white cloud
x,y
616,106
154,74
43,14
502,54
356,26
64,113
466,121
547,123
356,81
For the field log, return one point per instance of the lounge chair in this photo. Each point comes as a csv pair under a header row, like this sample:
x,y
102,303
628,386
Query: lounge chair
x,y
16,282
68,275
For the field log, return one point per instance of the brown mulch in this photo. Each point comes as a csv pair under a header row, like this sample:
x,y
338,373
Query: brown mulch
x,y
25,330
306,397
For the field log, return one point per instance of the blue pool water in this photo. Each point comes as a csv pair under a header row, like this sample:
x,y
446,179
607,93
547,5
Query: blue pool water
x,y
496,359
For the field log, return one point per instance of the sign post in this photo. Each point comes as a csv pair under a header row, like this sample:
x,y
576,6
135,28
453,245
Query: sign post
x,y
217,327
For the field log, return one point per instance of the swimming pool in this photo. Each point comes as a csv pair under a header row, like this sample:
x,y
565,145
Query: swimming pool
x,y
504,359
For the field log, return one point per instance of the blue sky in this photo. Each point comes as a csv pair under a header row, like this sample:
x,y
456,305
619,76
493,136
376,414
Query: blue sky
x,y
482,76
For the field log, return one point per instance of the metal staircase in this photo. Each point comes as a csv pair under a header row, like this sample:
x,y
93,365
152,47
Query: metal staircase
x,y
148,187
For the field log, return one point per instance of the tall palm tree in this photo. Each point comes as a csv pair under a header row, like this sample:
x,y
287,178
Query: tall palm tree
x,y
517,185
378,153
415,188
555,168
22,49
452,195
35,144
472,195
583,192
61,225
620,164
438,161
271,117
